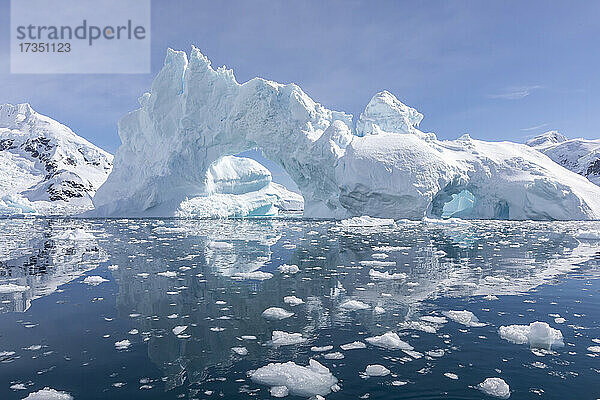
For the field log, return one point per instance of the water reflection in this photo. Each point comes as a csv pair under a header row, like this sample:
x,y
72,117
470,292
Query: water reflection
x,y
170,273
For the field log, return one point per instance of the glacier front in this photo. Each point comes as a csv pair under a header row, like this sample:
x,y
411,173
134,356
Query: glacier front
x,y
383,166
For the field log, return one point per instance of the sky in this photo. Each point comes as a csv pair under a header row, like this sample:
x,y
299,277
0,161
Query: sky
x,y
498,70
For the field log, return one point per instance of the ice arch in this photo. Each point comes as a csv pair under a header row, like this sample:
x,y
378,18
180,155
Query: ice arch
x,y
383,167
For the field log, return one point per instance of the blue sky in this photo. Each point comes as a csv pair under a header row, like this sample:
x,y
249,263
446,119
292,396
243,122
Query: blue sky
x,y
498,70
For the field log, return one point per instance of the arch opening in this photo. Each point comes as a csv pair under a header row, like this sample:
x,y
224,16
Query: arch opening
x,y
244,185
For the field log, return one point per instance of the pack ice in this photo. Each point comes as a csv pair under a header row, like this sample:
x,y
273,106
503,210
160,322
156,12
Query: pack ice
x,y
45,168
383,166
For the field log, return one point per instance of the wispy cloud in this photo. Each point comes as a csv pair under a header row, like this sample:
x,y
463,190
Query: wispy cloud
x,y
515,92
534,128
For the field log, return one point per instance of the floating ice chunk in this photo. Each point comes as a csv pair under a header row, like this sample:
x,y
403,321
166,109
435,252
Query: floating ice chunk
x,y
179,329
18,386
434,319
321,349
123,344
276,313
588,235
220,245
594,349
450,375
376,370
254,275
240,351
435,353
94,280
366,221
280,338
49,394
386,275
353,346
377,263
559,320
312,380
12,288
279,391
464,317
288,269
293,300
419,326
75,234
113,267
168,274
389,340
379,310
537,334
353,305
495,387
333,356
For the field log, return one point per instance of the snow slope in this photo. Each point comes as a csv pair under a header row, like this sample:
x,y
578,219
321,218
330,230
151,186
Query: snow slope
x,y
239,187
578,155
45,168
383,167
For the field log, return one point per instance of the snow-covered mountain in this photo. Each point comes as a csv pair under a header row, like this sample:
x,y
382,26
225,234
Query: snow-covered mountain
x,y
383,167
578,155
240,187
45,168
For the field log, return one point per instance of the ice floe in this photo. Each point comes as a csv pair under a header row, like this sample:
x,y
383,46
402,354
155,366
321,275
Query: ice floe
x,y
276,313
464,317
389,340
495,387
537,334
312,380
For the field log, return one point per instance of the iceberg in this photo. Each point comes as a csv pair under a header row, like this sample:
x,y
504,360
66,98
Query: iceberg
x,y
382,167
495,387
537,335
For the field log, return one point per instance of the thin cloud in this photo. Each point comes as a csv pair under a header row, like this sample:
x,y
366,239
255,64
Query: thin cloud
x,y
515,92
534,128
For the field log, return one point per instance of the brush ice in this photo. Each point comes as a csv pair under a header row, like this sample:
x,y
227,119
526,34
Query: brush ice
x,y
386,275
464,317
49,394
376,370
280,338
384,167
495,387
537,334
288,269
293,300
390,341
312,380
276,313
354,305
366,221
94,280
353,346
12,288
45,168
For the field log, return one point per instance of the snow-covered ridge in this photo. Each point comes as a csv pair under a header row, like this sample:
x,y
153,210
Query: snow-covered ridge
x,y
578,155
384,167
45,168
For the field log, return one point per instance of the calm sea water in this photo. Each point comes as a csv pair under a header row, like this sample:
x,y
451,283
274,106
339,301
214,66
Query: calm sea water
x,y
60,332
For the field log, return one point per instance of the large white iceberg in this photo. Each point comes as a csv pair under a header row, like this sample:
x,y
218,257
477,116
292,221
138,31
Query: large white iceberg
x,y
382,167
45,168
